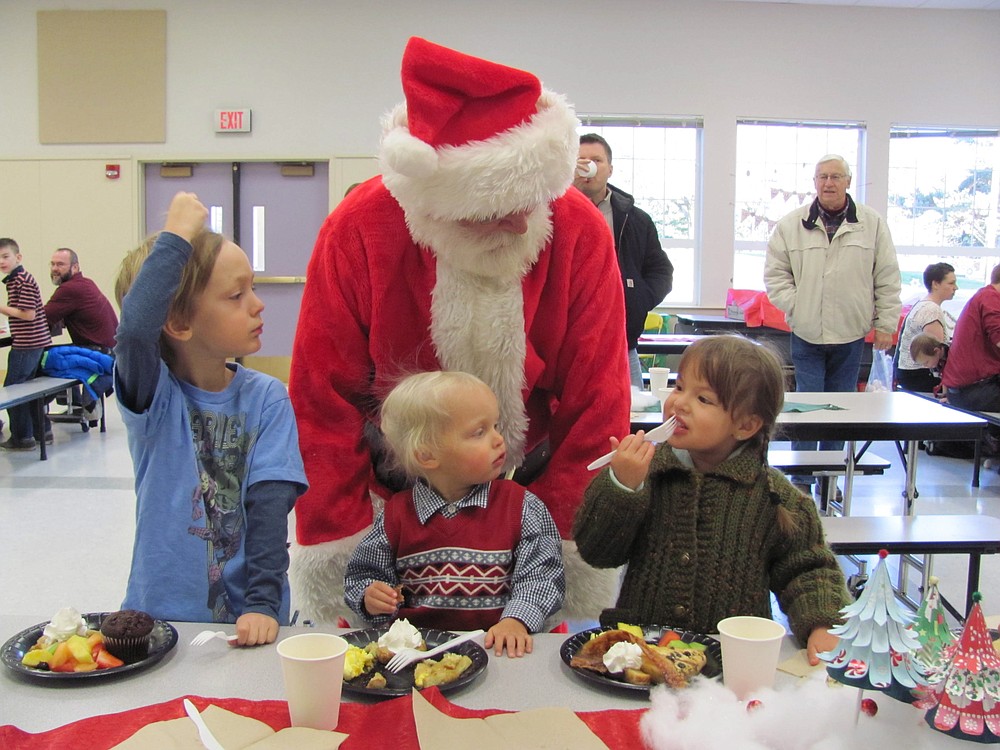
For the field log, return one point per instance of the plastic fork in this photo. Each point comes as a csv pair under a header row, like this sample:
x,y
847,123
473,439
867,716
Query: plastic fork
x,y
206,635
655,435
407,656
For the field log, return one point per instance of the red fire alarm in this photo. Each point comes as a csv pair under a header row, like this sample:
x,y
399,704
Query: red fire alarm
x,y
112,171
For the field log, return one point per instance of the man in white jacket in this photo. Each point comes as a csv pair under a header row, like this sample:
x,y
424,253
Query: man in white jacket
x,y
831,268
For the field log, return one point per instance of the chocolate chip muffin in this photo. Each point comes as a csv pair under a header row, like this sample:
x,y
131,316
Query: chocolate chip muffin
x,y
126,634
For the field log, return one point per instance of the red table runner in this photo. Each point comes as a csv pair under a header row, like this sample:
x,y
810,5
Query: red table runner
x,y
385,724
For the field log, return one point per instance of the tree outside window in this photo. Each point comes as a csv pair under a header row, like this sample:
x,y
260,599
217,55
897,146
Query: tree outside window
x,y
943,205
775,165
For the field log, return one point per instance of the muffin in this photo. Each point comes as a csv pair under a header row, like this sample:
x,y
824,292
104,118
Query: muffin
x,y
126,634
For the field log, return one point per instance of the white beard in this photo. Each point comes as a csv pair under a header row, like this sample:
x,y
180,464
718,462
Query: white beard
x,y
477,310
501,255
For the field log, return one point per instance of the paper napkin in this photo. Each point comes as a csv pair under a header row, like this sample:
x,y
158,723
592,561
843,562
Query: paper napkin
x,y
538,729
799,666
234,731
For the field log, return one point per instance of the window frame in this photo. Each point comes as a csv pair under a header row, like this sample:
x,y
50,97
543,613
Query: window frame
x,y
859,181
594,122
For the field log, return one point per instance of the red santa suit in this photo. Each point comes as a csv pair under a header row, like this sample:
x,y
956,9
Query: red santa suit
x,y
397,285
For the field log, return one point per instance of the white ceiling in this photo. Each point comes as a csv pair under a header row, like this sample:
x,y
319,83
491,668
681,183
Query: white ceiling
x,y
925,4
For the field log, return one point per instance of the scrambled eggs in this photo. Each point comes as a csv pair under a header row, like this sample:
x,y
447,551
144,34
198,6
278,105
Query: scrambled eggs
x,y
357,661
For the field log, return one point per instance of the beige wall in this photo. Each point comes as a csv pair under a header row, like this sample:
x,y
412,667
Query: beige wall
x,y
47,204
318,75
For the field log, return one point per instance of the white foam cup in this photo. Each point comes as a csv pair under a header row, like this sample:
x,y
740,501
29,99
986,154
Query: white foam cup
x,y
313,667
750,649
589,171
659,378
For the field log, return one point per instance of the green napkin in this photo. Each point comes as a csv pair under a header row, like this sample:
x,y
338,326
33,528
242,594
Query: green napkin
x,y
791,406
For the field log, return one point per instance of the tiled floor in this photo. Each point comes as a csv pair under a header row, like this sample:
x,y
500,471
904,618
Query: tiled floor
x,y
66,524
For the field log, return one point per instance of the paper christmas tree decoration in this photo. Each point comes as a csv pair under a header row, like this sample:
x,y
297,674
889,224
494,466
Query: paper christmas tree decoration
x,y
931,626
876,645
963,691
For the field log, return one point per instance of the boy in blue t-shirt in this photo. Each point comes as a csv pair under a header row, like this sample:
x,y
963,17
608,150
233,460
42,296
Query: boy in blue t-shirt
x,y
214,445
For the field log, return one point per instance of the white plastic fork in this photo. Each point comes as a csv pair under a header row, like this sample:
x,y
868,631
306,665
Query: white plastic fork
x,y
405,657
206,635
655,435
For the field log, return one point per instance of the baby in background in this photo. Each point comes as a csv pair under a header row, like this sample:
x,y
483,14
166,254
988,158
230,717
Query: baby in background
x,y
461,549
928,352
708,530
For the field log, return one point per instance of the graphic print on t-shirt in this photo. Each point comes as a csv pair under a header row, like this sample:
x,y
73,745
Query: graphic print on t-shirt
x,y
222,446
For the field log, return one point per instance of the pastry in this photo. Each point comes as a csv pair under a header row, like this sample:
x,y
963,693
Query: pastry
x,y
658,667
446,669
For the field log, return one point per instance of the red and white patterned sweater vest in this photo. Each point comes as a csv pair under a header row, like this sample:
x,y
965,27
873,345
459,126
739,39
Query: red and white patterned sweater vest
x,y
456,572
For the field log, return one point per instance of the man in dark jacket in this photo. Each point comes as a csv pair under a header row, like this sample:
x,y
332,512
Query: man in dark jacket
x,y
647,273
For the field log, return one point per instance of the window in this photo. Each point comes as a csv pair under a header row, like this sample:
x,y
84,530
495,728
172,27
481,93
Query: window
x,y
775,165
657,161
943,205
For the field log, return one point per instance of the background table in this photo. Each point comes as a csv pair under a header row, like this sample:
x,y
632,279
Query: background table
x,y
918,535
665,343
776,337
887,415
865,417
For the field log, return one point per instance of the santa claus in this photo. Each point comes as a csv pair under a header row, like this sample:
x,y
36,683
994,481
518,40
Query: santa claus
x,y
469,252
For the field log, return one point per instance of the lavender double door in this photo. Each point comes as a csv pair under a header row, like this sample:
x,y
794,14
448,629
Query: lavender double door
x,y
273,217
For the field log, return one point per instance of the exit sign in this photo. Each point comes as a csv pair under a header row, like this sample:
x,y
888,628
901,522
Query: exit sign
x,y
232,121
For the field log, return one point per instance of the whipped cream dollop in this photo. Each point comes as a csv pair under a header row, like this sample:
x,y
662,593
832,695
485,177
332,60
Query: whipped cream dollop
x,y
66,622
623,655
401,634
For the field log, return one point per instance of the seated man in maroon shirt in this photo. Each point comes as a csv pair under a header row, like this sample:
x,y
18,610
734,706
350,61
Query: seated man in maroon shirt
x,y
972,375
79,305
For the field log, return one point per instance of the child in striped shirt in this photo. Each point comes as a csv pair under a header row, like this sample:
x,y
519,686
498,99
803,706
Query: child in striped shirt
x,y
29,332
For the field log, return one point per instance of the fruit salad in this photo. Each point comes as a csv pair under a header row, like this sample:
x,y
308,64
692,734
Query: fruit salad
x,y
68,645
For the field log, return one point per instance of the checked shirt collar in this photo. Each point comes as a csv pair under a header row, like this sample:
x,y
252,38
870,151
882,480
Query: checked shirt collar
x,y
428,502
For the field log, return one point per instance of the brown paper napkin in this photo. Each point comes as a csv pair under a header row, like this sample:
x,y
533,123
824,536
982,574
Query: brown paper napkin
x,y
235,732
539,729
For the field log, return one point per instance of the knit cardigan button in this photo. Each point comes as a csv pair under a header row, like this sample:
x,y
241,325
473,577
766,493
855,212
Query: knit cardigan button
x,y
680,610
686,558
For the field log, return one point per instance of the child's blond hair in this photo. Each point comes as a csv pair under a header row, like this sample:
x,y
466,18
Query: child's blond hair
x,y
205,247
417,412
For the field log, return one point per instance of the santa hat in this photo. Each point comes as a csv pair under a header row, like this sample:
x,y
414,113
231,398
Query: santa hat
x,y
474,139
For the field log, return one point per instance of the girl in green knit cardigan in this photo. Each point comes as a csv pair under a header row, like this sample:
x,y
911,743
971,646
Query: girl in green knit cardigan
x,y
706,527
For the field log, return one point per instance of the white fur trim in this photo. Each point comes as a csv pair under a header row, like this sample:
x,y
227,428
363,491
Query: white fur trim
x,y
477,326
316,576
527,165
589,590
408,155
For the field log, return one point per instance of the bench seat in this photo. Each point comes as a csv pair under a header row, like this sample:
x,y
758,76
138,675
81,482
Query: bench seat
x,y
827,465
824,462
35,391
